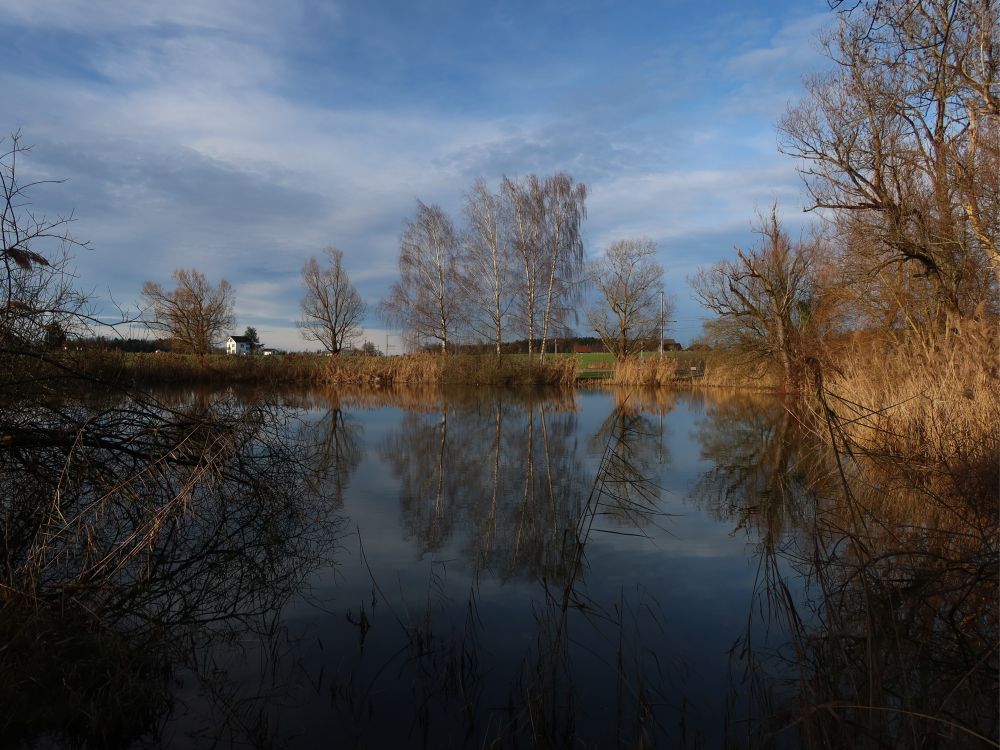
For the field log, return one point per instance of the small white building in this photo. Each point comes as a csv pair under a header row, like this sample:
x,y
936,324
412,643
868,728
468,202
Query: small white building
x,y
238,345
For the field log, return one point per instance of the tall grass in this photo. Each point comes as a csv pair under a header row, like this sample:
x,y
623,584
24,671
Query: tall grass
x,y
933,401
164,368
432,368
706,369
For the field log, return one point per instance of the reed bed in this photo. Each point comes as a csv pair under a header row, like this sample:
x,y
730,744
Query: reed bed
x,y
164,368
708,369
432,368
930,402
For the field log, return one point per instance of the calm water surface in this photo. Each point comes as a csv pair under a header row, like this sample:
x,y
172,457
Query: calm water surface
x,y
464,569
511,566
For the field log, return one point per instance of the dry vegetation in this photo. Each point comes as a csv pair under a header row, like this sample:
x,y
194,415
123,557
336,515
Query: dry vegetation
x,y
467,369
938,399
715,369
168,368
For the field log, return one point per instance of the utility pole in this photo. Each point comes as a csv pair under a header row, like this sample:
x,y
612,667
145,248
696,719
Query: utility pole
x,y
661,324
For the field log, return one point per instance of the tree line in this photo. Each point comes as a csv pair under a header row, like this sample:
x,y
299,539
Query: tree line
x,y
899,149
515,270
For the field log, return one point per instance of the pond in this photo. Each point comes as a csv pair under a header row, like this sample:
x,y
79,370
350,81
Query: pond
x,y
587,568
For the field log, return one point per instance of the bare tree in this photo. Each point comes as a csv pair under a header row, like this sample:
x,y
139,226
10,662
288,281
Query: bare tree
x,y
545,228
629,280
487,262
37,293
194,315
527,211
427,300
763,297
564,211
332,309
899,142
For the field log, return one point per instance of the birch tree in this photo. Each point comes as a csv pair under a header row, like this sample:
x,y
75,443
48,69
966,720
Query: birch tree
x,y
527,211
565,209
487,263
546,217
427,300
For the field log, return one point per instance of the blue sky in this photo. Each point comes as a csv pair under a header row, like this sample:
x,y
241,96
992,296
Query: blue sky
x,y
241,136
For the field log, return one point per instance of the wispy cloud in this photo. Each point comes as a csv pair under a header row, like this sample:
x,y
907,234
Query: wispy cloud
x,y
241,137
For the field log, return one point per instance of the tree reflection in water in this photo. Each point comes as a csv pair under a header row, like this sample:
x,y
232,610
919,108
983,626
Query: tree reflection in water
x,y
502,477
633,456
874,621
153,548
334,447
500,470
140,538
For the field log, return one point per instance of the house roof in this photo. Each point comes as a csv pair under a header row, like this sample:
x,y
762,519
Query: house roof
x,y
241,339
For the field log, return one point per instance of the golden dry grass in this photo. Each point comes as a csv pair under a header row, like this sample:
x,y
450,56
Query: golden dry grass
x,y
709,369
433,368
938,400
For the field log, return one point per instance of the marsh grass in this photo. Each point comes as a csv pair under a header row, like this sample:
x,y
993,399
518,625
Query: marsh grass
x,y
432,368
713,369
896,645
212,369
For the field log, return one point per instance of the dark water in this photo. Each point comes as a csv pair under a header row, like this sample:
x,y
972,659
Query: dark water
x,y
583,569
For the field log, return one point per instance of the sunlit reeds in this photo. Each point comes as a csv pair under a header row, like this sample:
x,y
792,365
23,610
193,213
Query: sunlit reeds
x,y
697,369
432,368
936,399
894,640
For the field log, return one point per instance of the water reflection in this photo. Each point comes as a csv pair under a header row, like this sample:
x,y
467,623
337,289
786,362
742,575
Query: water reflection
x,y
502,472
633,455
870,624
763,463
141,537
335,448
509,481
521,576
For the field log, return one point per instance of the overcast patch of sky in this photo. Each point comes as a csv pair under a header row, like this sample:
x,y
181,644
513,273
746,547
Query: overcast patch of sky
x,y
241,137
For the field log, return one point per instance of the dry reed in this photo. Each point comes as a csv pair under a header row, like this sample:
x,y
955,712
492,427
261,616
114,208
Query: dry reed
x,y
936,401
432,368
714,369
164,368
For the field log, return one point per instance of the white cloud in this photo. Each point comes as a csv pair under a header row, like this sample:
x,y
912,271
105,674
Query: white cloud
x,y
186,144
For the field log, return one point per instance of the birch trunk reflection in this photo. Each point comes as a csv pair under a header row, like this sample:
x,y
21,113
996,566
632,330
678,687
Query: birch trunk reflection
x,y
498,478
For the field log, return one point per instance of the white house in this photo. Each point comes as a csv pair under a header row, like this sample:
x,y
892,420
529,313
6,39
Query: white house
x,y
238,345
